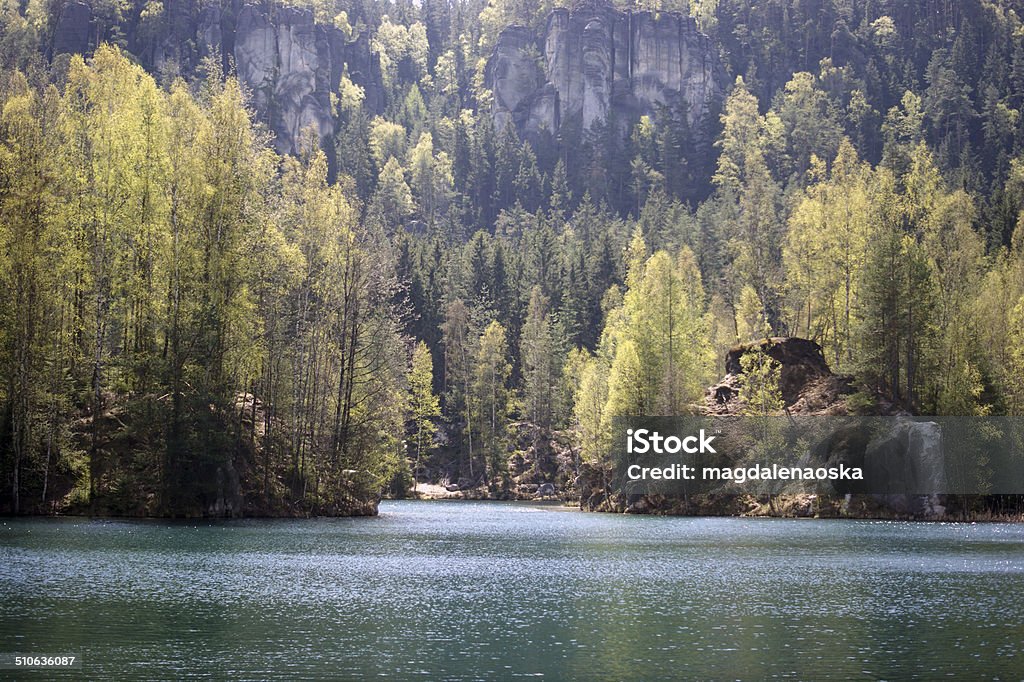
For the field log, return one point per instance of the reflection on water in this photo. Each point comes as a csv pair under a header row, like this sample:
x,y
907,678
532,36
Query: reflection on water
x,y
461,590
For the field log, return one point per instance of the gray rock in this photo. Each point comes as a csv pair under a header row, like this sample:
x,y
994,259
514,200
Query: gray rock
x,y
293,65
209,34
289,63
513,74
595,61
71,32
256,54
280,61
597,67
909,459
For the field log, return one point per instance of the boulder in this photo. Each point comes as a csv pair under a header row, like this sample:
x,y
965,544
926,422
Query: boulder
x,y
909,458
801,362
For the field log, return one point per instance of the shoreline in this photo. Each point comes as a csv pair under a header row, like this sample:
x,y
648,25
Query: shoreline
x,y
548,502
547,505
574,505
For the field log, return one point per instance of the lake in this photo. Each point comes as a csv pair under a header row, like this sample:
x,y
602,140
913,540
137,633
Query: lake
x,y
466,590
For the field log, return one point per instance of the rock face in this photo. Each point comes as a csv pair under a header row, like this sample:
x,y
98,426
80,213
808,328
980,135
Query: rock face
x,y
596,61
806,382
71,31
291,64
287,63
909,457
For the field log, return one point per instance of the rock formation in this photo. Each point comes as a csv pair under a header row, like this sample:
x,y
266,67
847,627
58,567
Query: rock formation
x,y
596,61
71,28
286,61
291,64
806,382
590,63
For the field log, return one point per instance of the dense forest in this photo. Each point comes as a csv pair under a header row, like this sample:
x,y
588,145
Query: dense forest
x,y
197,323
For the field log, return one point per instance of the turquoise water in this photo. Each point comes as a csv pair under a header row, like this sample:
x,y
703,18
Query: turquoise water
x,y
462,590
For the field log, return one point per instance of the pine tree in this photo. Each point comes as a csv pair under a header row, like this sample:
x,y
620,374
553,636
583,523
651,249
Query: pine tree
x,y
459,352
561,197
540,363
894,328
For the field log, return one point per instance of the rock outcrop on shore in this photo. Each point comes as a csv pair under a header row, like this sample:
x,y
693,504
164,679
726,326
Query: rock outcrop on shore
x,y
807,384
808,388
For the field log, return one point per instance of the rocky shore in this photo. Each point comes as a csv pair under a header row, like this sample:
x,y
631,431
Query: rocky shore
x,y
809,388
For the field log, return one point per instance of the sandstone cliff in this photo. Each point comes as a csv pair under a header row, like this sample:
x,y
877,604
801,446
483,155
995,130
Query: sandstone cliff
x,y
588,64
596,61
291,64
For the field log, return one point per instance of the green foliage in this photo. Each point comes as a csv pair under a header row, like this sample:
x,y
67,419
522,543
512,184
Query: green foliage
x,y
490,401
393,197
810,122
181,313
824,254
185,302
759,384
424,406
541,356
895,331
387,141
396,44
655,355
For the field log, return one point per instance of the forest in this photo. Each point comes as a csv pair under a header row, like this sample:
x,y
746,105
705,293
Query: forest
x,y
195,323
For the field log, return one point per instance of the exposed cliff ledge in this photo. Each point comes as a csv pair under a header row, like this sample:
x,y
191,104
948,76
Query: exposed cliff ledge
x,y
291,64
595,61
